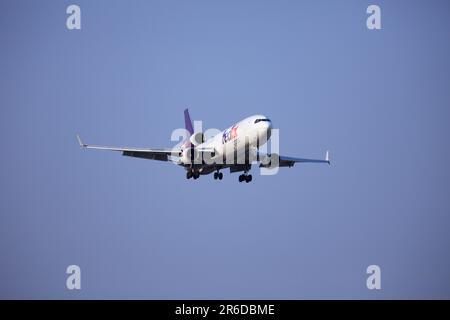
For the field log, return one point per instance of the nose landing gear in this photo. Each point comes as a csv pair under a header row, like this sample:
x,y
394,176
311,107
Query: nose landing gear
x,y
245,177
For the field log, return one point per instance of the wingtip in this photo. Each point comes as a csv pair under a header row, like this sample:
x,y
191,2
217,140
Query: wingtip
x,y
327,157
80,142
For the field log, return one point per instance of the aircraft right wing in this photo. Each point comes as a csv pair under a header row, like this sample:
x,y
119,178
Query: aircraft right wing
x,y
152,154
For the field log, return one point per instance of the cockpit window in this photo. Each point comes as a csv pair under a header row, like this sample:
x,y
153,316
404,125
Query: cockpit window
x,y
258,120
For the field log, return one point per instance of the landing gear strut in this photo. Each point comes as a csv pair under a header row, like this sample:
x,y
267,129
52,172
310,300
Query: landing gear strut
x,y
245,177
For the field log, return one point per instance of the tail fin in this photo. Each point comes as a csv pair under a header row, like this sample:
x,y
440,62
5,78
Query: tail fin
x,y
188,122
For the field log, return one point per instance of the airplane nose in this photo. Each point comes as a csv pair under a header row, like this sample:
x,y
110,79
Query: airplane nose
x,y
267,126
269,130
265,130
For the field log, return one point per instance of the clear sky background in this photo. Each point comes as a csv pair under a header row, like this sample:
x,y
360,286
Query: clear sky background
x,y
378,100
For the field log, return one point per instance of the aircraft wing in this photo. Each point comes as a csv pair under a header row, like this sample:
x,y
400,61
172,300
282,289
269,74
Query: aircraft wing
x,y
268,161
152,154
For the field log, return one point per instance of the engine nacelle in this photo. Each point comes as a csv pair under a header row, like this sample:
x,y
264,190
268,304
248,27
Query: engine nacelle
x,y
197,138
191,156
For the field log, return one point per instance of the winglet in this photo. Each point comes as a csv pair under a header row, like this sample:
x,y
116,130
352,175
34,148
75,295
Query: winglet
x,y
81,142
327,157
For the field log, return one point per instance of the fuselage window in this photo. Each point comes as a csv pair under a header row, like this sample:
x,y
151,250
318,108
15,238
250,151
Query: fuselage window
x,y
258,120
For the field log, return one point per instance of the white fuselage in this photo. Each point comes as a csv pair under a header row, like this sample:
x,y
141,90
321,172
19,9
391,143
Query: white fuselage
x,y
231,145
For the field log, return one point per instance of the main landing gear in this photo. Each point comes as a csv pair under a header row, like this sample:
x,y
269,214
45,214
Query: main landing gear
x,y
192,174
218,175
245,177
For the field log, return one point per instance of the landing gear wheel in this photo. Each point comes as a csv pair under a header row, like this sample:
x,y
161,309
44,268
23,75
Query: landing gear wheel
x,y
188,174
220,175
216,175
245,177
196,175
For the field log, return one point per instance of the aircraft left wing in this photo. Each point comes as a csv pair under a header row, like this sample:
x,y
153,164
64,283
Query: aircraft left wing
x,y
152,154
284,161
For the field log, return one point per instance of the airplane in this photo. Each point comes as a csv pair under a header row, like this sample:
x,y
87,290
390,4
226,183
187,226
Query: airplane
x,y
235,148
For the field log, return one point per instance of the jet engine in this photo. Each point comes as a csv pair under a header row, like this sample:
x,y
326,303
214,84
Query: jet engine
x,y
191,156
197,138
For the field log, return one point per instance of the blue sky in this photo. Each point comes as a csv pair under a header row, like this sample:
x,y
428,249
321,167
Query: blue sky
x,y
378,100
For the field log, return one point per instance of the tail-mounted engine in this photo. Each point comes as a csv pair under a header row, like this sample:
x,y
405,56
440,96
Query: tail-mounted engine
x,y
197,138
191,156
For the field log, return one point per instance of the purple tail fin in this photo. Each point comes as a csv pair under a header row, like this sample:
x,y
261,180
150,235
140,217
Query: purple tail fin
x,y
188,122
188,127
